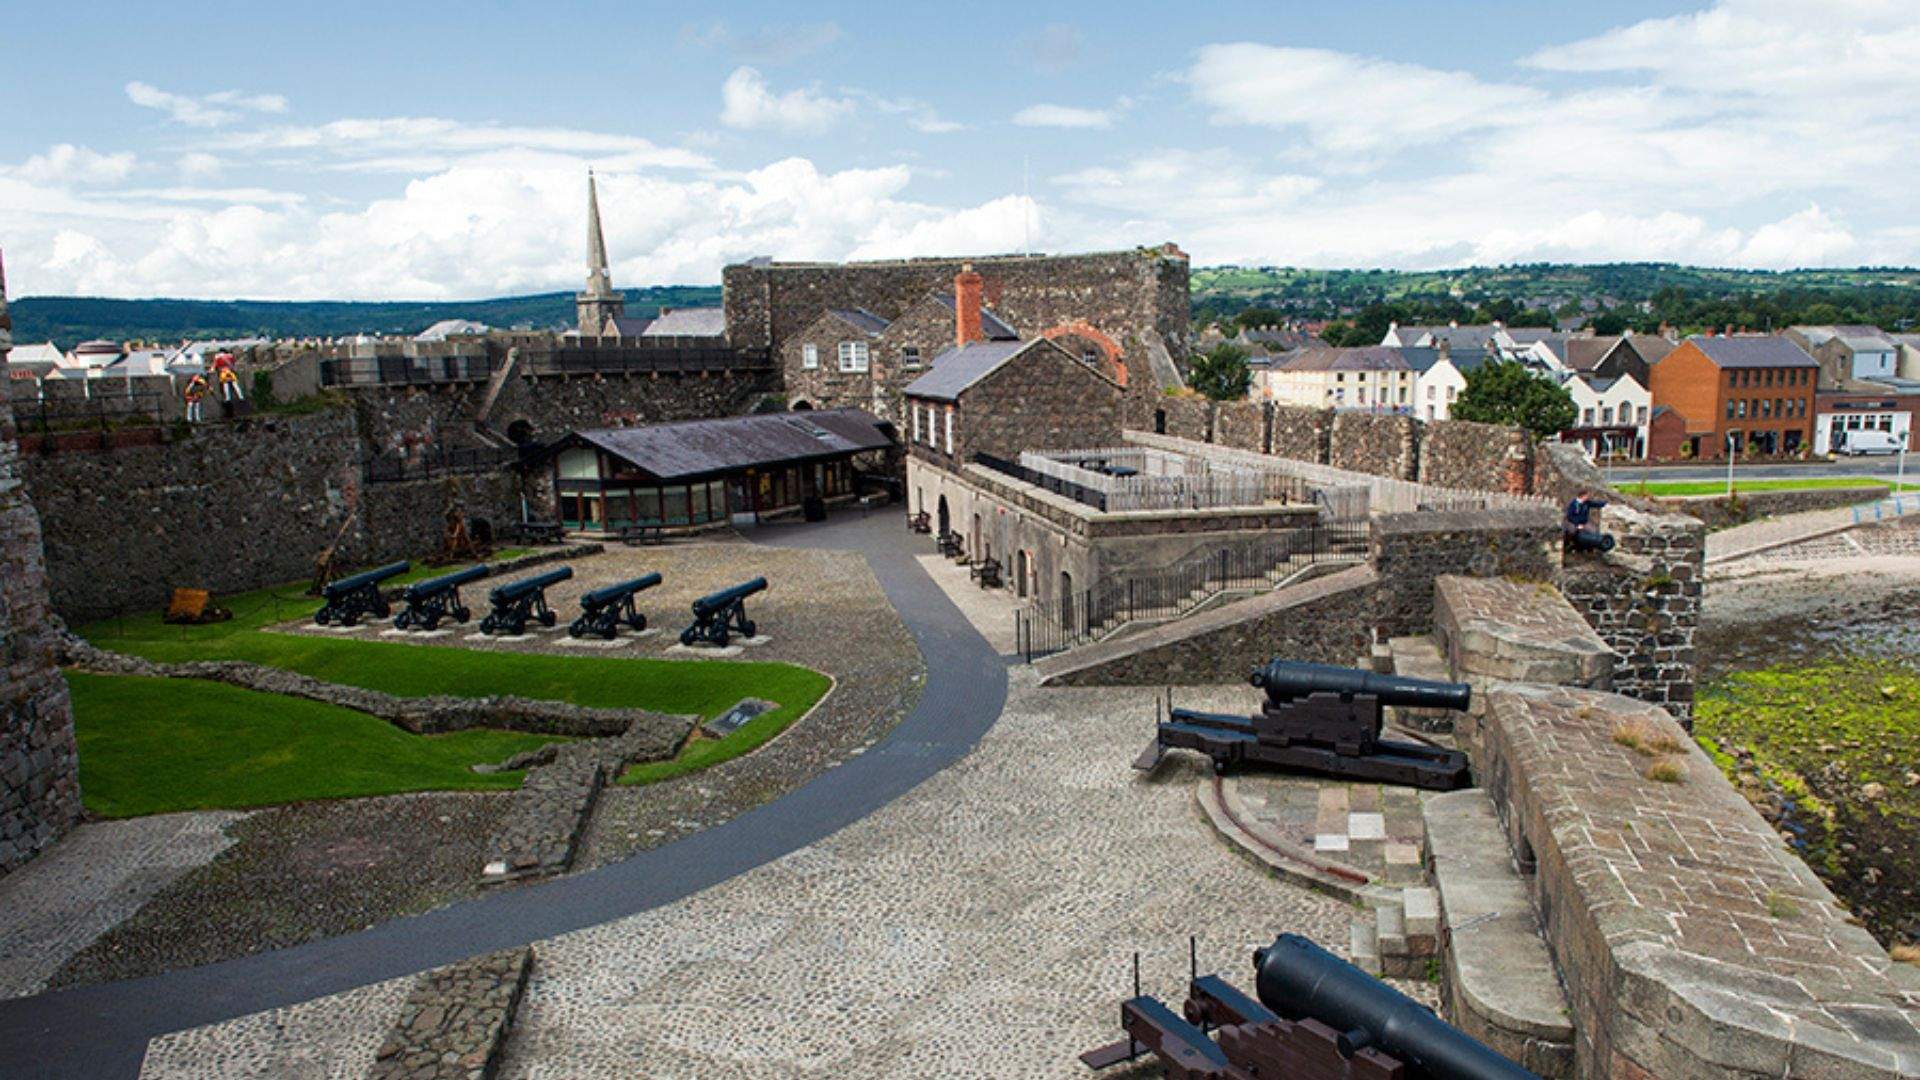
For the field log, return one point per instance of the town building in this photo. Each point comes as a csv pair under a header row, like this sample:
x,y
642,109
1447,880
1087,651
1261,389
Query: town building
x,y
695,473
1373,377
1848,354
1613,413
1439,378
1891,409
1908,361
1751,392
34,361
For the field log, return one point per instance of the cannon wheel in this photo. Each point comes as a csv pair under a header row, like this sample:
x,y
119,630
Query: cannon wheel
x,y
687,638
321,618
608,633
431,622
460,614
547,618
747,628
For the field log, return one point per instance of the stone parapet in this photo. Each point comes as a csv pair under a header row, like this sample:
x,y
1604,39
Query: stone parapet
x,y
1692,942
1410,551
1524,631
1643,599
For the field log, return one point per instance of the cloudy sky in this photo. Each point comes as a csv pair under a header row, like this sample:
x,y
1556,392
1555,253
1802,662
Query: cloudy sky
x,y
368,151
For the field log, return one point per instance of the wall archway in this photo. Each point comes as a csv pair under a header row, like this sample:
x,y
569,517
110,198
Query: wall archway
x,y
1085,341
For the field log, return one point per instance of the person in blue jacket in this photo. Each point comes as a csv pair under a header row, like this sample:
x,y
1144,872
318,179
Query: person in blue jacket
x,y
1579,514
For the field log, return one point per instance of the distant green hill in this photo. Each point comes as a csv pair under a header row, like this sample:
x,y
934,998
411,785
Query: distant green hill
x,y
1887,294
68,320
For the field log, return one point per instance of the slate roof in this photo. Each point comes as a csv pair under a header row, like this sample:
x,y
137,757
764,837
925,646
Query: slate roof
x,y
957,369
1753,351
1463,338
1585,353
1411,335
1652,348
1420,357
991,325
626,326
860,319
1527,335
689,322
1364,358
707,447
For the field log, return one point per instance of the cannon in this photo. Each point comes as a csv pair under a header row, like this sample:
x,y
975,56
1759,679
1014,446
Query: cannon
x,y
351,597
516,602
436,598
606,609
717,614
1589,540
1324,719
1316,1017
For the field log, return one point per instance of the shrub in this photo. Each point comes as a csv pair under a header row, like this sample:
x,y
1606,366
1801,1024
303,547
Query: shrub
x,y
1668,771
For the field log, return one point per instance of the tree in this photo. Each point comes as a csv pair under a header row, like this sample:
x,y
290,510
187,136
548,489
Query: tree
x,y
1506,392
1221,373
1608,323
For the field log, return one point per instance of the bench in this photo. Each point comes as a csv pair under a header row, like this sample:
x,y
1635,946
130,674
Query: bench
x,y
635,535
986,572
538,532
952,546
919,522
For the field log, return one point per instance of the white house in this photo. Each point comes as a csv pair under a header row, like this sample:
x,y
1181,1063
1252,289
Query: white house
x,y
1613,412
1440,380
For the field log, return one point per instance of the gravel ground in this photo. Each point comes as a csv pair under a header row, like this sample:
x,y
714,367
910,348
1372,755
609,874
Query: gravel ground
x,y
299,873
1762,612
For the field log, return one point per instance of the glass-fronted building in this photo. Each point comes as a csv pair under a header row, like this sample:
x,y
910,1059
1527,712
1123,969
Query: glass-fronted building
x,y
700,472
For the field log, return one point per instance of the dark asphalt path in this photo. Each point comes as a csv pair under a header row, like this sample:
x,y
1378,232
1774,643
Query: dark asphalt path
x,y
102,1031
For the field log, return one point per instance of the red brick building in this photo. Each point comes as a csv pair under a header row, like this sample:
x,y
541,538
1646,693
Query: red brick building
x,y
1755,391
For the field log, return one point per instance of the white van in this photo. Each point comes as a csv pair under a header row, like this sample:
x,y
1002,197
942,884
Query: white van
x,y
1866,441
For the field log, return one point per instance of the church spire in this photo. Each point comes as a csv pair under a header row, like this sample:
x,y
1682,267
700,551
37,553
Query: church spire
x,y
599,303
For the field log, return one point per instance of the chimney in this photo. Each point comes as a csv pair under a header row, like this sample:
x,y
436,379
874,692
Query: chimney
x,y
967,287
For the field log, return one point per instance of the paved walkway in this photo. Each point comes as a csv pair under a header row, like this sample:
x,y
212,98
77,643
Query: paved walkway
x,y
103,1031
1769,533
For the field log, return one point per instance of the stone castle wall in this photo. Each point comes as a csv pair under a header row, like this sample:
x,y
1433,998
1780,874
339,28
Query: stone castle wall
x,y
1410,551
39,768
231,508
1644,599
1135,297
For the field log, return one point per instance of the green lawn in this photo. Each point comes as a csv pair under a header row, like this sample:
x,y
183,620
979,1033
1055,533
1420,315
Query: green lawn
x,y
702,687
152,746
1680,488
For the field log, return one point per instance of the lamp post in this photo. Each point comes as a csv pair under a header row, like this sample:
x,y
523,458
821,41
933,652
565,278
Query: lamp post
x,y
1732,437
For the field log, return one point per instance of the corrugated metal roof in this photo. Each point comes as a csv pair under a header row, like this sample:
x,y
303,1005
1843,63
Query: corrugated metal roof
x,y
1753,351
706,447
860,319
689,322
956,369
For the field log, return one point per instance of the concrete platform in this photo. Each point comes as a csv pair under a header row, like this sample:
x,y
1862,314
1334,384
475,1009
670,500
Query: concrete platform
x,y
1501,984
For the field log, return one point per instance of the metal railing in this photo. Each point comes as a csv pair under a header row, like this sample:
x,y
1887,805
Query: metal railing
x,y
1054,625
434,463
1157,481
582,359
1079,493
1897,505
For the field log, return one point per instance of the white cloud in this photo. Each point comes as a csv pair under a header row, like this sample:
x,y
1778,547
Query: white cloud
x,y
1064,116
1808,238
67,163
766,44
199,165
1347,104
920,115
210,110
748,104
425,144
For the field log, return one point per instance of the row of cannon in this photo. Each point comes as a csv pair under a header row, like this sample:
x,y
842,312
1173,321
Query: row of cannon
x,y
515,604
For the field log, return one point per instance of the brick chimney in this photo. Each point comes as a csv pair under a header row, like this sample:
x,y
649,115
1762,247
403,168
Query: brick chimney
x,y
967,289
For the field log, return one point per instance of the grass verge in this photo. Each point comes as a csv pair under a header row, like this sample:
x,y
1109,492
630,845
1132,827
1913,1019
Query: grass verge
x,y
1683,488
153,746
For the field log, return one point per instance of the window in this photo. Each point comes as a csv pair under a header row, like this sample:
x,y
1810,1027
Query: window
x,y
1430,389
915,410
810,356
1642,415
1606,415
853,356
910,356
1729,408
1743,408
1452,392
949,429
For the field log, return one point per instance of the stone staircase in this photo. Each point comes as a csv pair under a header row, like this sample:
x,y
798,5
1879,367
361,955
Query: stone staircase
x,y
1299,567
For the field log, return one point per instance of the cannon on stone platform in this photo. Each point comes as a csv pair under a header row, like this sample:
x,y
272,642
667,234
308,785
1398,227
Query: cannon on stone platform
x,y
1317,1017
435,599
518,602
1589,540
718,614
606,609
1325,719
352,597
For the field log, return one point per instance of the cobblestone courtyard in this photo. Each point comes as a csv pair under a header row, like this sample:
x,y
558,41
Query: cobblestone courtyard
x,y
981,926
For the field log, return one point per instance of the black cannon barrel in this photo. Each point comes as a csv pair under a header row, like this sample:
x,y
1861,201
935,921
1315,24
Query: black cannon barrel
x,y
714,601
1298,979
445,581
1285,680
366,577
525,585
618,591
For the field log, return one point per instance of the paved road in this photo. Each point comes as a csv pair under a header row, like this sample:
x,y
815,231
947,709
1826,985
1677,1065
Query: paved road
x,y
1882,468
102,1031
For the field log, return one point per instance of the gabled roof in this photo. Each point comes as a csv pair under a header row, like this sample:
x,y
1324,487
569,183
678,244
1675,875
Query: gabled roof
x,y
1652,348
705,447
46,353
1461,338
992,325
1752,351
1585,353
1364,358
1408,334
860,319
628,326
1280,340
958,368
689,322
1527,335
1419,357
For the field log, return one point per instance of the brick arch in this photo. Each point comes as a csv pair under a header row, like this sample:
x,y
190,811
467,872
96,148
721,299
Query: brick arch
x,y
1110,350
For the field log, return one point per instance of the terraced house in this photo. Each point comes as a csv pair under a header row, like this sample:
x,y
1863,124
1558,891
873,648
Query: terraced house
x,y
1745,393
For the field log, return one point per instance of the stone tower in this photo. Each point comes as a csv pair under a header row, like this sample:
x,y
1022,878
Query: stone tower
x,y
39,772
600,301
